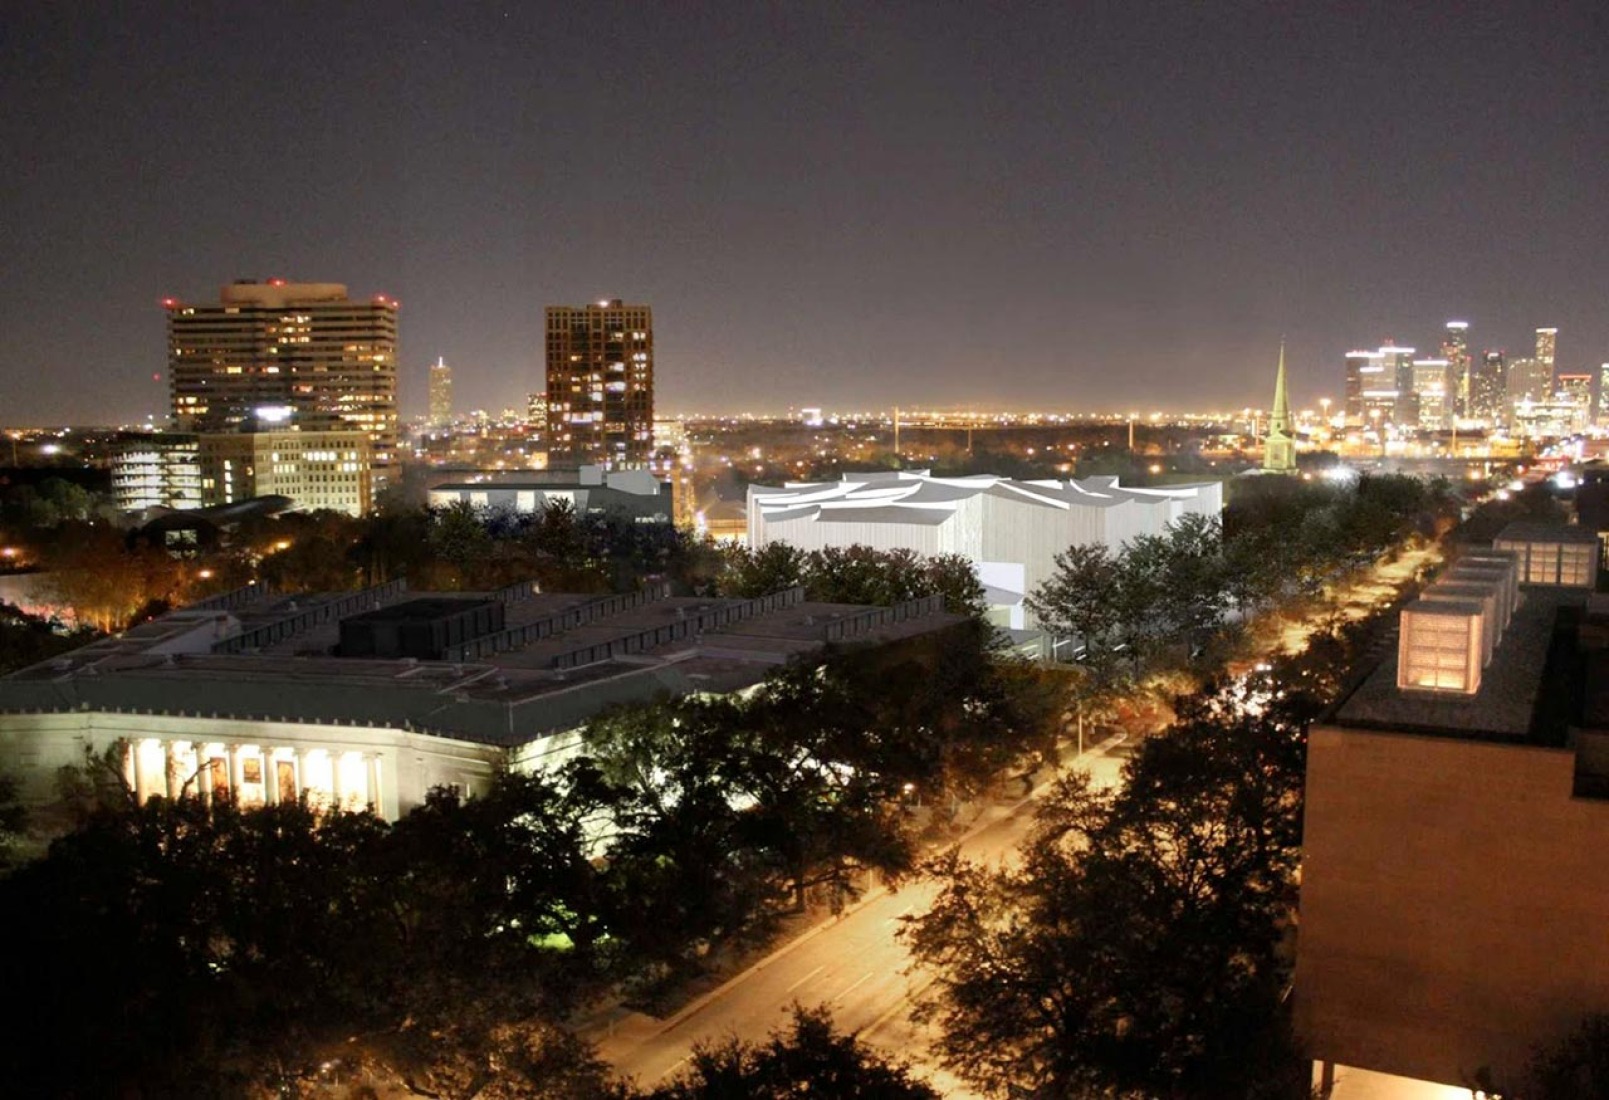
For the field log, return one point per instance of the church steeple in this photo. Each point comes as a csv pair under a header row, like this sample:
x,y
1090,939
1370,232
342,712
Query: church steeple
x,y
1279,449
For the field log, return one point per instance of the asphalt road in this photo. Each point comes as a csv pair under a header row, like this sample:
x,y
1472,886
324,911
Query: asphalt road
x,y
854,964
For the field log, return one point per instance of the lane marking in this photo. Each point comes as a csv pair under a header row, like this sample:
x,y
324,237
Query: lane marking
x,y
897,917
676,1067
807,977
907,1000
851,989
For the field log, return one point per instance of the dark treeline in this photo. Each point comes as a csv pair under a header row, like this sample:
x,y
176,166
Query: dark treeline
x,y
1183,599
114,578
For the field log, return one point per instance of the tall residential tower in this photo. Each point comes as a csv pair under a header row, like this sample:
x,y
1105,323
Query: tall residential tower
x,y
441,393
600,384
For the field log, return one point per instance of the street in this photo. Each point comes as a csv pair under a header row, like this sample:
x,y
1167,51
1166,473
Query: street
x,y
854,964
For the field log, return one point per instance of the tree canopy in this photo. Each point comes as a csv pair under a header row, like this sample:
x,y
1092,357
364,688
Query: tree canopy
x,y
1136,951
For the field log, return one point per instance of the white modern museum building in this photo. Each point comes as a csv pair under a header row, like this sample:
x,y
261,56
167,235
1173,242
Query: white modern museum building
x,y
1011,530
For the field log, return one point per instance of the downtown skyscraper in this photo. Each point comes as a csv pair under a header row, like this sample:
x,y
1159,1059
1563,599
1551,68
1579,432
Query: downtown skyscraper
x,y
1455,349
1547,347
600,384
302,355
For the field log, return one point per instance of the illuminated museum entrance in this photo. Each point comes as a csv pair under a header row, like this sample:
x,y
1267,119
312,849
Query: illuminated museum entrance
x,y
254,775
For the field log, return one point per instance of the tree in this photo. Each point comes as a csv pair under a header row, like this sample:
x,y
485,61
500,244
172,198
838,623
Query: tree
x,y
107,581
680,874
819,815
771,568
1575,1069
1194,591
860,574
13,820
954,577
562,557
460,544
1135,952
1080,600
27,639
811,1060
184,948
529,912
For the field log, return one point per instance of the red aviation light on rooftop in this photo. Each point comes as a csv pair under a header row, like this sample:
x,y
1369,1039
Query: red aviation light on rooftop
x,y
276,282
169,303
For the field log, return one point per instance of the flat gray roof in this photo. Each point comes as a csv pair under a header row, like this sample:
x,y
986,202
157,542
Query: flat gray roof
x,y
1530,531
505,698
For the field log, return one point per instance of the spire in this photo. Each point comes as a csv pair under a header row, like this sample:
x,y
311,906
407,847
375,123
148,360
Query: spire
x,y
1280,415
1279,448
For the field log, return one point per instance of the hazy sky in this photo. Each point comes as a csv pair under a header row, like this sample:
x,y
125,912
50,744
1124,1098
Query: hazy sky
x,y
1073,205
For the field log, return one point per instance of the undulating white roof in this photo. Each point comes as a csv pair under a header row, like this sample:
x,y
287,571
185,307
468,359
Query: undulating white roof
x,y
916,496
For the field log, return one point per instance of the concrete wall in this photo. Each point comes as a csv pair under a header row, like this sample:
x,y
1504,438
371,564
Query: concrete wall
x,y
808,534
1455,903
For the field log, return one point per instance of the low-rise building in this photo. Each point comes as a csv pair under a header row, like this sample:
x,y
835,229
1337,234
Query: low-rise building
x,y
156,470
1454,890
373,698
316,469
636,494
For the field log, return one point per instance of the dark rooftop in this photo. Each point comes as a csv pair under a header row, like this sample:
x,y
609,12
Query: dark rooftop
x,y
427,607
1532,531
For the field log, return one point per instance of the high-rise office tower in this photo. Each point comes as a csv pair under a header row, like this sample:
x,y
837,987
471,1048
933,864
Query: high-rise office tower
x,y
319,359
1398,363
1575,390
1432,385
1279,449
441,393
1488,389
1380,388
1367,387
1529,380
600,384
1455,349
1547,346
1603,396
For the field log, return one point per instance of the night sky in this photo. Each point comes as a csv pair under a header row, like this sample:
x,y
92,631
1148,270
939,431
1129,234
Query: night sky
x,y
1069,205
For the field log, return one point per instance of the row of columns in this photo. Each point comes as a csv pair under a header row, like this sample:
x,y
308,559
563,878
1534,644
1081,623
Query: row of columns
x,y
348,779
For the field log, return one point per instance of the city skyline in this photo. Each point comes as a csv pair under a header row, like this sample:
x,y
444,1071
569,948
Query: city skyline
x,y
1080,210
